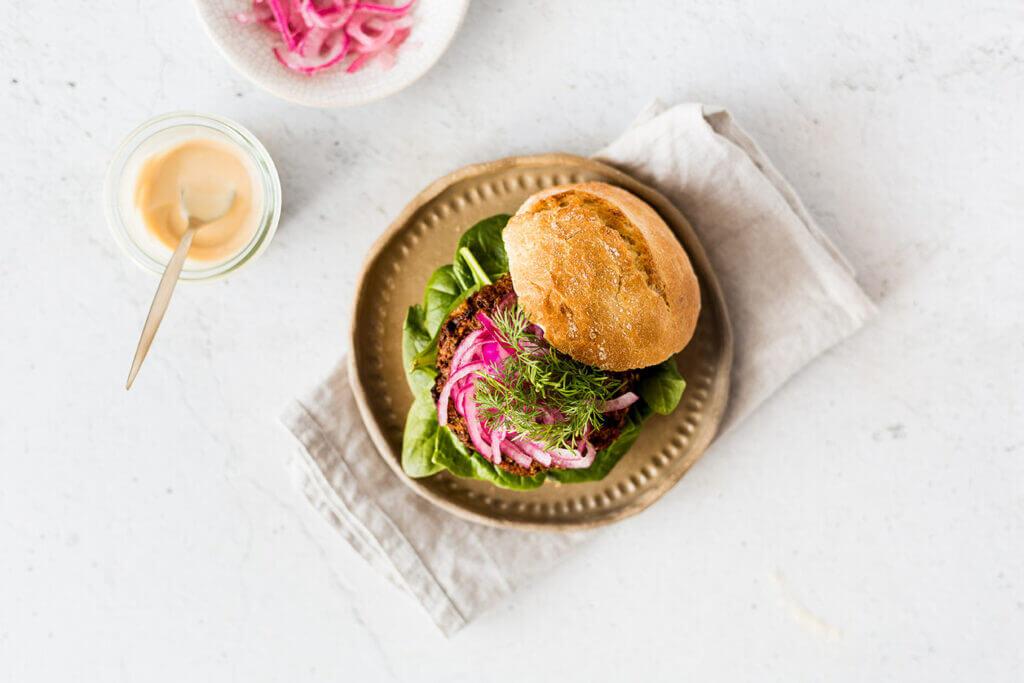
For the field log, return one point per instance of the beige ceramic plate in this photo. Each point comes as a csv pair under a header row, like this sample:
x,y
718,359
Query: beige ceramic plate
x,y
424,237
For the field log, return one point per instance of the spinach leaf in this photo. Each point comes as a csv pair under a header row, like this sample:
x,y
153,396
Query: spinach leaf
x,y
462,462
479,274
484,242
442,290
415,338
607,458
419,441
427,356
662,387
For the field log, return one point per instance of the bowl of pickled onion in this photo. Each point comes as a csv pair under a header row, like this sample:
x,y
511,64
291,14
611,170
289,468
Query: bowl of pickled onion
x,y
332,53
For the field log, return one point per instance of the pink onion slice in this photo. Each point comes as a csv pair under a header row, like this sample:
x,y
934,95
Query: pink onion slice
x,y
536,452
464,348
334,17
384,9
446,391
314,63
513,451
494,353
490,328
497,436
312,43
620,402
358,63
364,42
281,20
476,436
570,460
311,31
460,402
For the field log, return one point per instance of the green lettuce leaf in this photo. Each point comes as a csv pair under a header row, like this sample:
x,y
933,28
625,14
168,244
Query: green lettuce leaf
x,y
427,355
661,387
416,338
419,441
442,289
462,462
484,242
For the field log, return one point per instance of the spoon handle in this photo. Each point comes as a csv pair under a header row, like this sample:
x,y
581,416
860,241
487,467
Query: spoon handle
x,y
160,301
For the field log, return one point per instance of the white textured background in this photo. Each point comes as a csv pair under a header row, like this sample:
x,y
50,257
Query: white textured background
x,y
868,524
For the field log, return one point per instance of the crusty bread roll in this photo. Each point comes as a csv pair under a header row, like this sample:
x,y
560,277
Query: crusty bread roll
x,y
602,274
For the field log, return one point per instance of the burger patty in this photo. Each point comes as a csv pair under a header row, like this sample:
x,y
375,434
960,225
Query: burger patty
x,y
459,324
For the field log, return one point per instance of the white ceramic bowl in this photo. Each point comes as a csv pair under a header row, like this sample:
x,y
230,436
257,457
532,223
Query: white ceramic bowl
x,y
248,49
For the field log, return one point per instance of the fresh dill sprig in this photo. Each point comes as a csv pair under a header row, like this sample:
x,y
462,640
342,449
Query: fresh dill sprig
x,y
536,384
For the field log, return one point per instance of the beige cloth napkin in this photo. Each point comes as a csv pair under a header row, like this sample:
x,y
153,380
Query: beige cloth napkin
x,y
790,296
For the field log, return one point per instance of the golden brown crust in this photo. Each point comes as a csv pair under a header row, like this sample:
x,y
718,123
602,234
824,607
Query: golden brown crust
x,y
603,275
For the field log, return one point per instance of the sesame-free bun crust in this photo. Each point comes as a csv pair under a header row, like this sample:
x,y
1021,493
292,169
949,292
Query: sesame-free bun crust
x,y
602,274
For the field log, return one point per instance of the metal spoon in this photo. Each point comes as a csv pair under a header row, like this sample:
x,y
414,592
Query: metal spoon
x,y
201,213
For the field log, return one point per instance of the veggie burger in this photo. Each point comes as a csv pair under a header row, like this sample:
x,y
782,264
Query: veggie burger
x,y
541,350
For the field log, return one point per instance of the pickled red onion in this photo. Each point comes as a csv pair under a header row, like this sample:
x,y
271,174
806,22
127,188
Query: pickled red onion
x,y
488,324
385,9
571,460
277,8
518,456
365,42
319,34
497,436
331,18
536,452
481,352
297,60
465,347
476,435
442,400
620,402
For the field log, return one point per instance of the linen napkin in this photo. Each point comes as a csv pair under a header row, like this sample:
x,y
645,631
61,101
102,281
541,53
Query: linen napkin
x,y
790,297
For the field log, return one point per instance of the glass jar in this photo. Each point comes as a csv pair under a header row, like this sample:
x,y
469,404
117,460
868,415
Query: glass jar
x,y
158,134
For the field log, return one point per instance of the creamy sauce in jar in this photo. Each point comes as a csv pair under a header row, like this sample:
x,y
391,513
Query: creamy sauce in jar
x,y
204,168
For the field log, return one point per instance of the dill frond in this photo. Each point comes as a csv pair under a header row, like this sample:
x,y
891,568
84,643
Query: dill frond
x,y
537,383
